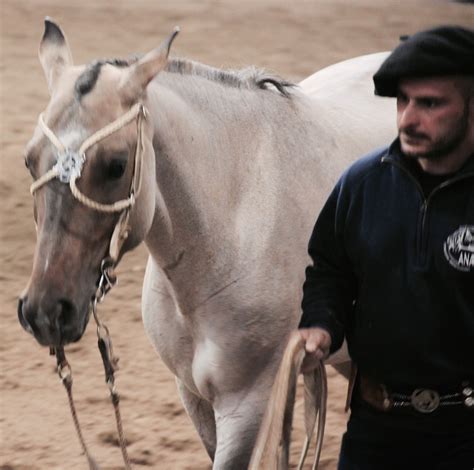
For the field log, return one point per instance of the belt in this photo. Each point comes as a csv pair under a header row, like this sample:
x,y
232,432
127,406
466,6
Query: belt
x,y
424,400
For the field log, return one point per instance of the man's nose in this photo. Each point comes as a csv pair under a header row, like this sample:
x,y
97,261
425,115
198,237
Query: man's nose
x,y
408,116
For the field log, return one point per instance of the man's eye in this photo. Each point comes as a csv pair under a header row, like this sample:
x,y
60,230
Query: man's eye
x,y
430,103
401,98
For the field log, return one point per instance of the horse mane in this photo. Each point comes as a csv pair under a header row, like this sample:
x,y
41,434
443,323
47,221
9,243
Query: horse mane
x,y
246,78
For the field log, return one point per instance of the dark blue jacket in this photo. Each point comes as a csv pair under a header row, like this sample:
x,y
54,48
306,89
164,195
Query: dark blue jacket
x,y
394,272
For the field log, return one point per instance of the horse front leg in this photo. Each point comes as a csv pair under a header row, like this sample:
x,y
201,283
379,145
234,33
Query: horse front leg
x,y
238,419
202,415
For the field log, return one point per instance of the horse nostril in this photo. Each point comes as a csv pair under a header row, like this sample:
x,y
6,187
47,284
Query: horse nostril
x,y
52,321
27,314
20,308
21,315
66,312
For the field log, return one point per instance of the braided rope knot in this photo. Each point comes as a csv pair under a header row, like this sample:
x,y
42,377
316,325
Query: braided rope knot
x,y
69,164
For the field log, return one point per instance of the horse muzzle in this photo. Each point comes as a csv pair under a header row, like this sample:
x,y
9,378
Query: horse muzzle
x,y
53,323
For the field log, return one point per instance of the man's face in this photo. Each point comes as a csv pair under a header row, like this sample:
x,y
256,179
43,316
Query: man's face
x,y
432,116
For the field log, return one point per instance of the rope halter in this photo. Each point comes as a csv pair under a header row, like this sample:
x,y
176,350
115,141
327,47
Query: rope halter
x,y
69,162
68,169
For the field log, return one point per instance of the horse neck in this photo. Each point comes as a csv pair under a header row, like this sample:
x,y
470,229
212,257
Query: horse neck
x,y
206,137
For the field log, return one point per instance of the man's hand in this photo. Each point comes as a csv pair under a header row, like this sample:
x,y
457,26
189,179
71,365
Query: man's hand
x,y
317,344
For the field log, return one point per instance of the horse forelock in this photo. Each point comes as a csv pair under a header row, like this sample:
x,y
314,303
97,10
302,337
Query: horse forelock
x,y
88,78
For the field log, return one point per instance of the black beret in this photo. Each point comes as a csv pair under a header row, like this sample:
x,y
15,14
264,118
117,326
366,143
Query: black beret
x,y
445,50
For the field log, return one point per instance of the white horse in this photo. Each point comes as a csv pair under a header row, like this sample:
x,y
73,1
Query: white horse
x,y
222,178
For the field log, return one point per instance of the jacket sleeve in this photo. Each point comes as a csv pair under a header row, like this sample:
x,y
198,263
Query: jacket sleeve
x,y
329,290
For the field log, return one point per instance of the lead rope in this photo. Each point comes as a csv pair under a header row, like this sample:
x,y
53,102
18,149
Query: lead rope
x,y
318,382
107,280
110,362
268,447
65,374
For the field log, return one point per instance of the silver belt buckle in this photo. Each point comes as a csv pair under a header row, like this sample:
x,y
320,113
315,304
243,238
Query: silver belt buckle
x,y
425,400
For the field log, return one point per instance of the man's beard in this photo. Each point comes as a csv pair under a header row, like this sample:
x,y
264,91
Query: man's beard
x,y
444,145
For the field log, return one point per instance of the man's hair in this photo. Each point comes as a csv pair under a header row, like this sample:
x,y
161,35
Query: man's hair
x,y
465,85
441,51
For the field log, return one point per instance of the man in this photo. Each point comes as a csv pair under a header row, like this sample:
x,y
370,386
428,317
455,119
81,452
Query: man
x,y
393,272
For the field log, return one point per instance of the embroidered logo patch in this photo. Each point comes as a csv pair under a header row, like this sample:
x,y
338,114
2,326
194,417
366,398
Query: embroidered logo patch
x,y
459,248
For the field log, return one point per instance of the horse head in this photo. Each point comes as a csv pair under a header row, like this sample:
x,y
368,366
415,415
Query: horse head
x,y
93,167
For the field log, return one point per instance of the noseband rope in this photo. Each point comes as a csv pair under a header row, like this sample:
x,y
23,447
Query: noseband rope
x,y
69,163
68,169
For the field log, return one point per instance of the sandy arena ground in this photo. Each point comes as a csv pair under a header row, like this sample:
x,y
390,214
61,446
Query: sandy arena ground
x,y
293,39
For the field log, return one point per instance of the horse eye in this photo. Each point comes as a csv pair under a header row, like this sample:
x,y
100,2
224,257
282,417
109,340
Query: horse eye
x,y
116,168
27,164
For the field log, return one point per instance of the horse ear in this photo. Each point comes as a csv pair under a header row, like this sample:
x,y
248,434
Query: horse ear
x,y
54,53
142,72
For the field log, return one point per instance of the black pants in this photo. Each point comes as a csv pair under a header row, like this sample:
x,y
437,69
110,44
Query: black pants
x,y
376,441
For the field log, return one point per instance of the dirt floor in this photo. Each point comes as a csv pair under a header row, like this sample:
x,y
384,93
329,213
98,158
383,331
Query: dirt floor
x,y
293,39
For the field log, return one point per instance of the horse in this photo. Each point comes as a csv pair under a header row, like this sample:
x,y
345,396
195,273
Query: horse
x,y
221,174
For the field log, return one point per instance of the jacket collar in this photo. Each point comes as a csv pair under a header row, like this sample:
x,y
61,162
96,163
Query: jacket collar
x,y
394,153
